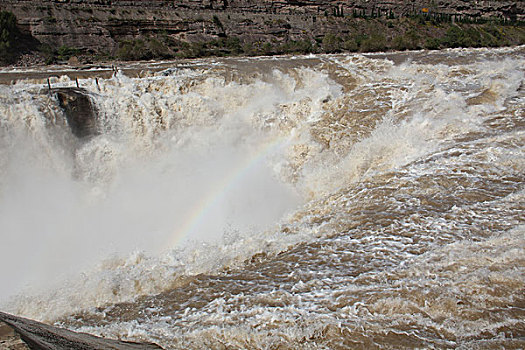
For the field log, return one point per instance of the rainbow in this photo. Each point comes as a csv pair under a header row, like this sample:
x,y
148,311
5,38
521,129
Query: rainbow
x,y
201,210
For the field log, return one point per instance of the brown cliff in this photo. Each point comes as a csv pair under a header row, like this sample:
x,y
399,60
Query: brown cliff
x,y
103,27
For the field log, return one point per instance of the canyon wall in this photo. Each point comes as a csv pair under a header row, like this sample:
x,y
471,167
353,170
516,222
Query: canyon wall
x,y
99,26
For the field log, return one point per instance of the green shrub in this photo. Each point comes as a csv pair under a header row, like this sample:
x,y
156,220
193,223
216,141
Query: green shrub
x,y
267,49
454,37
64,52
376,42
464,37
48,53
233,44
133,50
400,43
332,43
350,44
432,44
8,36
143,48
297,47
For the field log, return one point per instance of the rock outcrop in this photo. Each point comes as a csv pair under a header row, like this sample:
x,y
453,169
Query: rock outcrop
x,y
17,333
78,111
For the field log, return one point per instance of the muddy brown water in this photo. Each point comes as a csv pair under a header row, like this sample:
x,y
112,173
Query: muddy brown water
x,y
404,226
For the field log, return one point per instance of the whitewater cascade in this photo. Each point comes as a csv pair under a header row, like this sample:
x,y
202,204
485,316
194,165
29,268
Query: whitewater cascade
x,y
323,201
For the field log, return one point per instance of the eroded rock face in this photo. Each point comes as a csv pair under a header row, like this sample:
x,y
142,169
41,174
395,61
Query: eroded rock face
x,y
17,333
99,25
78,110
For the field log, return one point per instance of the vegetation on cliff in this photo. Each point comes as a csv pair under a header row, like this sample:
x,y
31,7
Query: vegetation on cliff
x,y
340,33
8,37
363,35
13,42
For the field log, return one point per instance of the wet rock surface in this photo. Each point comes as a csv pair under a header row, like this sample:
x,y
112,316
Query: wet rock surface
x,y
17,333
9,339
78,110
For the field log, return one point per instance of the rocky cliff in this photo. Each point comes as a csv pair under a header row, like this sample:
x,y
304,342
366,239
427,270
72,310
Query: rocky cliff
x,y
104,26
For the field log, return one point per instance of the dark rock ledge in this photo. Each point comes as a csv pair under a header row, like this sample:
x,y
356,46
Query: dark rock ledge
x,y
78,110
21,333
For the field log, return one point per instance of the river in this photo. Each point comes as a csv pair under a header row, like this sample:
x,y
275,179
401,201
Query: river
x,y
308,202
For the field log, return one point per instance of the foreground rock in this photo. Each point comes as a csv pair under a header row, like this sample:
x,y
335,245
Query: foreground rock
x,y
9,339
20,333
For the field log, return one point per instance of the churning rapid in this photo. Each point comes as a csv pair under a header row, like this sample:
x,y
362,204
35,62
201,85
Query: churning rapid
x,y
312,202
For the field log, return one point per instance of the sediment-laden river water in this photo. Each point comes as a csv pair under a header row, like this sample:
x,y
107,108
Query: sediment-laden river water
x,y
312,202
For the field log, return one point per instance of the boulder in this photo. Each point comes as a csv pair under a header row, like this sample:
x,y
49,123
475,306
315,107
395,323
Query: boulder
x,y
78,110
21,333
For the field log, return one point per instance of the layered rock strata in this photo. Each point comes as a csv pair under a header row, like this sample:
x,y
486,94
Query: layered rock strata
x,y
98,26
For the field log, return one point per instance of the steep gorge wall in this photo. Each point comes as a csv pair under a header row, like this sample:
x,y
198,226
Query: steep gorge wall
x,y
98,26
492,8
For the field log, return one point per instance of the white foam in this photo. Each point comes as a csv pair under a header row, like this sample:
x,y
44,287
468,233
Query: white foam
x,y
167,144
171,139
